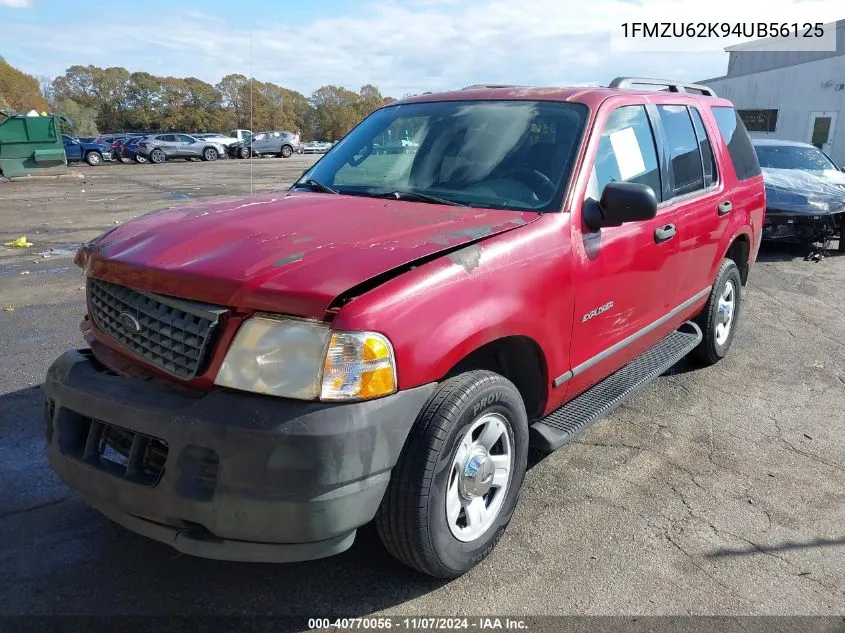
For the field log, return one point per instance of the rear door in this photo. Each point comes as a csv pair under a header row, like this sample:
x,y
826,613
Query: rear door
x,y
696,193
621,273
169,143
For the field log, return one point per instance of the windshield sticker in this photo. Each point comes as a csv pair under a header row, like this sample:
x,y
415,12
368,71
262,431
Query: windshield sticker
x,y
629,158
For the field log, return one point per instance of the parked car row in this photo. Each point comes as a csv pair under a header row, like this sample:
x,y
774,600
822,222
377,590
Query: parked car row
x,y
158,148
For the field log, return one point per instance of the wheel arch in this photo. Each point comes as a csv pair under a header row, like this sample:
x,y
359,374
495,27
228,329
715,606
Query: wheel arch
x,y
517,357
739,250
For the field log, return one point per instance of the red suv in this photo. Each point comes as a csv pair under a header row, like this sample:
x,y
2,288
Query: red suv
x,y
386,340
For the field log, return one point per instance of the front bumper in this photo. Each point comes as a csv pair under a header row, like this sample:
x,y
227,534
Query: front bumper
x,y
801,228
224,474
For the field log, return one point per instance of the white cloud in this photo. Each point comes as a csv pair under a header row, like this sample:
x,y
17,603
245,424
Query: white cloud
x,y
16,4
405,46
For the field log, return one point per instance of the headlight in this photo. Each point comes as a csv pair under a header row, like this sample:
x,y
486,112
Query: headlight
x,y
301,359
280,357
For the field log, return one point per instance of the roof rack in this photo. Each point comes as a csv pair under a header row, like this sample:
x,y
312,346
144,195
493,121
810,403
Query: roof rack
x,y
491,86
671,84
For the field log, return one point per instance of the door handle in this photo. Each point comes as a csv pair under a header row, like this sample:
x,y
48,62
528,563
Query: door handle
x,y
724,207
663,233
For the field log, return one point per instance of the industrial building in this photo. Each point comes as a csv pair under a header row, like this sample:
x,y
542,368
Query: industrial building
x,y
795,95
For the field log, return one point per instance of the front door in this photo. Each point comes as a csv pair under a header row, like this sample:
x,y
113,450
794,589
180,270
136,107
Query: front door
x,y
73,150
822,127
624,276
189,146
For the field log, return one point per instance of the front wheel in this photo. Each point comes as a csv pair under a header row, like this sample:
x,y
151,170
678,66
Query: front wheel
x,y
720,315
457,482
210,154
157,156
94,158
243,152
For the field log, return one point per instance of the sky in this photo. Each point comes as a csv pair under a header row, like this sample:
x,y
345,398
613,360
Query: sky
x,y
401,46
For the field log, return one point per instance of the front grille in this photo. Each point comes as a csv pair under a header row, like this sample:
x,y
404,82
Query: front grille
x,y
122,453
172,334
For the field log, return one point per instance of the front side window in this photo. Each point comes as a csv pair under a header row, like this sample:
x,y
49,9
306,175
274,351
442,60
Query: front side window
x,y
626,152
496,154
684,153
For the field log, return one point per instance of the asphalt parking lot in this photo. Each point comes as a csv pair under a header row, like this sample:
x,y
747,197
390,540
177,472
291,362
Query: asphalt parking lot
x,y
715,491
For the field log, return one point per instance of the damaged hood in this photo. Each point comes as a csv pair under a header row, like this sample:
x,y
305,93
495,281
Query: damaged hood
x,y
287,252
795,191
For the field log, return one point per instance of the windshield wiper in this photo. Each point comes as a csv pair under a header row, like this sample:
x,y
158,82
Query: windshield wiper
x,y
417,197
316,185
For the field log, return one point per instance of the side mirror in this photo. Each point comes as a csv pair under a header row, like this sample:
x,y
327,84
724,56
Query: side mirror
x,y
620,202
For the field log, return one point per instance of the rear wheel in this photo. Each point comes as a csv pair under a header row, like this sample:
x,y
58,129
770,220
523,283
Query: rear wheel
x,y
287,150
457,482
719,318
139,159
94,158
157,156
210,154
124,159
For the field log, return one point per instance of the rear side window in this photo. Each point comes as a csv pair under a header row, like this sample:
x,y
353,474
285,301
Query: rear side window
x,y
736,138
684,153
626,152
707,158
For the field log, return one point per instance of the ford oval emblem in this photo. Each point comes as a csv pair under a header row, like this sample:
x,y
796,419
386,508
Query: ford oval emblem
x,y
129,322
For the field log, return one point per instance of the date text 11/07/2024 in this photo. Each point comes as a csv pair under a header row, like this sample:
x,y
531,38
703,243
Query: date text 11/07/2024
x,y
419,623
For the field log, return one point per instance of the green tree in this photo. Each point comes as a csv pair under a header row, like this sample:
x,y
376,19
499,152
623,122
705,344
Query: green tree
x,y
143,101
83,120
370,100
110,89
232,89
20,91
335,111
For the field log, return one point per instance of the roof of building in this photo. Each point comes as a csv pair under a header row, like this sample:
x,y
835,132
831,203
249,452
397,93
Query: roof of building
x,y
750,58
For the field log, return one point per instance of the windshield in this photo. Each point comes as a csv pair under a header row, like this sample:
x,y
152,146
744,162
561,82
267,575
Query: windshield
x,y
793,157
497,154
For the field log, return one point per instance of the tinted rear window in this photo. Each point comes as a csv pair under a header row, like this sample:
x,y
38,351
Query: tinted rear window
x,y
742,153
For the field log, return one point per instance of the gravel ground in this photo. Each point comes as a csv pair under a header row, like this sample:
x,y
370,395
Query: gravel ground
x,y
718,491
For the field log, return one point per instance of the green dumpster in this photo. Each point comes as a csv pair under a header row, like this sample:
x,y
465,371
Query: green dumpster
x,y
31,145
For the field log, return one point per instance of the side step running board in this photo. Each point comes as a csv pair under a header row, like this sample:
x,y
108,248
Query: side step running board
x,y
564,424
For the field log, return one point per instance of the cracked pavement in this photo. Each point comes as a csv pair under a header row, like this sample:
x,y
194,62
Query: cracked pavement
x,y
714,491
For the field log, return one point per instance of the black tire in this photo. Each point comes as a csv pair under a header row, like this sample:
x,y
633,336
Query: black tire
x,y
94,158
286,152
711,350
157,156
210,154
411,520
243,152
